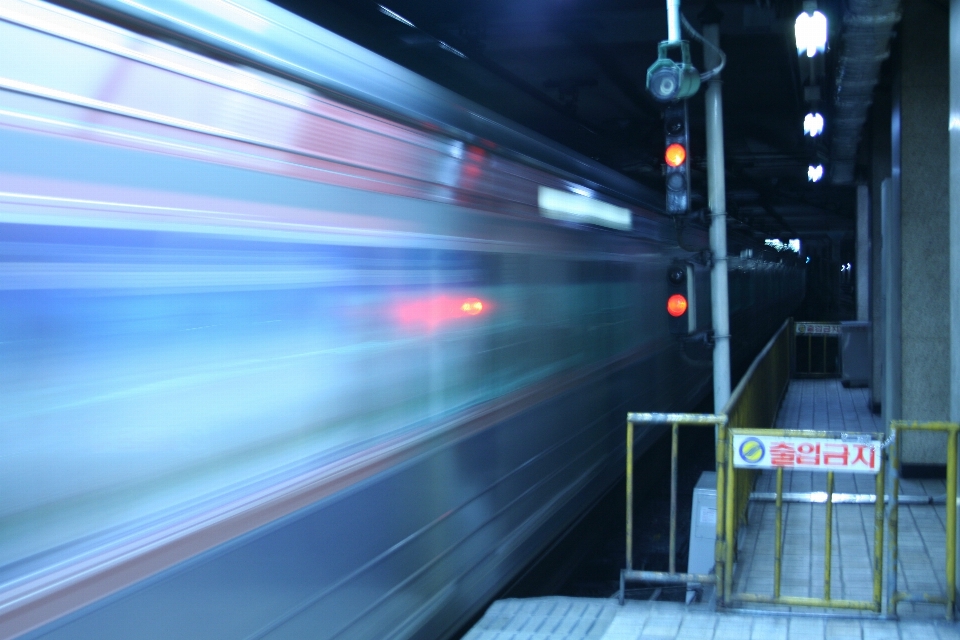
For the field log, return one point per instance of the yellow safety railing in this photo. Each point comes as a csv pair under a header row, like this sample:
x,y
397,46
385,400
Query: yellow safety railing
x,y
675,420
841,443
823,334
897,427
750,413
753,403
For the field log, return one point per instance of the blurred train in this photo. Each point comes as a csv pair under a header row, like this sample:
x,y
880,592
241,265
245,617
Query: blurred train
x,y
296,343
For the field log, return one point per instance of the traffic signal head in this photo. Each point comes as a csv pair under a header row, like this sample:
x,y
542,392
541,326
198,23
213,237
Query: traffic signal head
x,y
668,80
675,158
681,299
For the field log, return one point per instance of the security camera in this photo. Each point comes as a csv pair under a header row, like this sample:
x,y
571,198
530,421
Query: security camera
x,y
668,80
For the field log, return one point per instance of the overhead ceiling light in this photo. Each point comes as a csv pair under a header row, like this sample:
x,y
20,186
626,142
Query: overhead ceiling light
x,y
813,124
811,32
396,16
446,47
814,173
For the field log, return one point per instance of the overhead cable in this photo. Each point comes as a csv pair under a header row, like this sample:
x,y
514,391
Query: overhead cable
x,y
706,75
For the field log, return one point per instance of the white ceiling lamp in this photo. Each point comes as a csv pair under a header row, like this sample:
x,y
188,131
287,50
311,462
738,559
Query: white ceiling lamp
x,y
814,173
811,31
813,124
396,16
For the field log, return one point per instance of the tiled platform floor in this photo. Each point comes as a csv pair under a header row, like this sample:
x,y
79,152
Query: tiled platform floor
x,y
811,404
560,618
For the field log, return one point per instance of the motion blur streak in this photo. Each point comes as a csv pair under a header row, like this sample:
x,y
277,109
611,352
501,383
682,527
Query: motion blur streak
x,y
278,363
435,311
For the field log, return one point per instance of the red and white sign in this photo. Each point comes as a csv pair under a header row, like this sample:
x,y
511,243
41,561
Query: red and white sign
x,y
816,329
809,454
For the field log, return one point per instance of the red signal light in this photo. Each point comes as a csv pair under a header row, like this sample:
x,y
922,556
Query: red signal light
x,y
676,305
471,306
675,155
437,311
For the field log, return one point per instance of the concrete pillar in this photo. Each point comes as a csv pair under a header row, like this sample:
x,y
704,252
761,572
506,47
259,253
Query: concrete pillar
x,y
879,171
954,136
925,224
862,267
954,128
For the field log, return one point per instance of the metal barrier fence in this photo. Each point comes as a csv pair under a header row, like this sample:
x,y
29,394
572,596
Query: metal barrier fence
x,y
806,450
754,404
744,431
671,576
817,340
754,401
897,427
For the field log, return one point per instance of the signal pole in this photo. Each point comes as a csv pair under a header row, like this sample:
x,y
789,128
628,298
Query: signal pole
x,y
717,201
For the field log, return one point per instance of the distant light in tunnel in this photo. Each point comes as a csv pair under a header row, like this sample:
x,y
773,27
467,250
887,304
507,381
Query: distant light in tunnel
x,y
813,124
790,245
811,32
396,16
814,173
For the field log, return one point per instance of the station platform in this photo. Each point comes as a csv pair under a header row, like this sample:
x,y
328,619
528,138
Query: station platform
x,y
808,404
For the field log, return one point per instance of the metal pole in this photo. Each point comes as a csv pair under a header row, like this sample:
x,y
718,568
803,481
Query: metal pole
x,y
673,20
720,548
674,436
951,521
828,543
730,516
878,539
717,201
629,496
778,541
893,522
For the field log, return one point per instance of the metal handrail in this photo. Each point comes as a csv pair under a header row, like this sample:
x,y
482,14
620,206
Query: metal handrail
x,y
949,598
671,576
827,600
754,401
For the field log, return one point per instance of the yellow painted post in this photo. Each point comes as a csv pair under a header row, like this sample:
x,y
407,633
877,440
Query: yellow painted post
x,y
629,496
951,519
878,539
731,517
778,540
674,437
893,521
828,543
719,550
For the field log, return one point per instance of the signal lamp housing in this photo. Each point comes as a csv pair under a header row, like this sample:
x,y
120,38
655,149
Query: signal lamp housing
x,y
681,299
675,158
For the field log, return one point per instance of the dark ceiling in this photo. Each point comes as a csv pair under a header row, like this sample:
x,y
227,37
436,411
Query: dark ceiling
x,y
574,70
